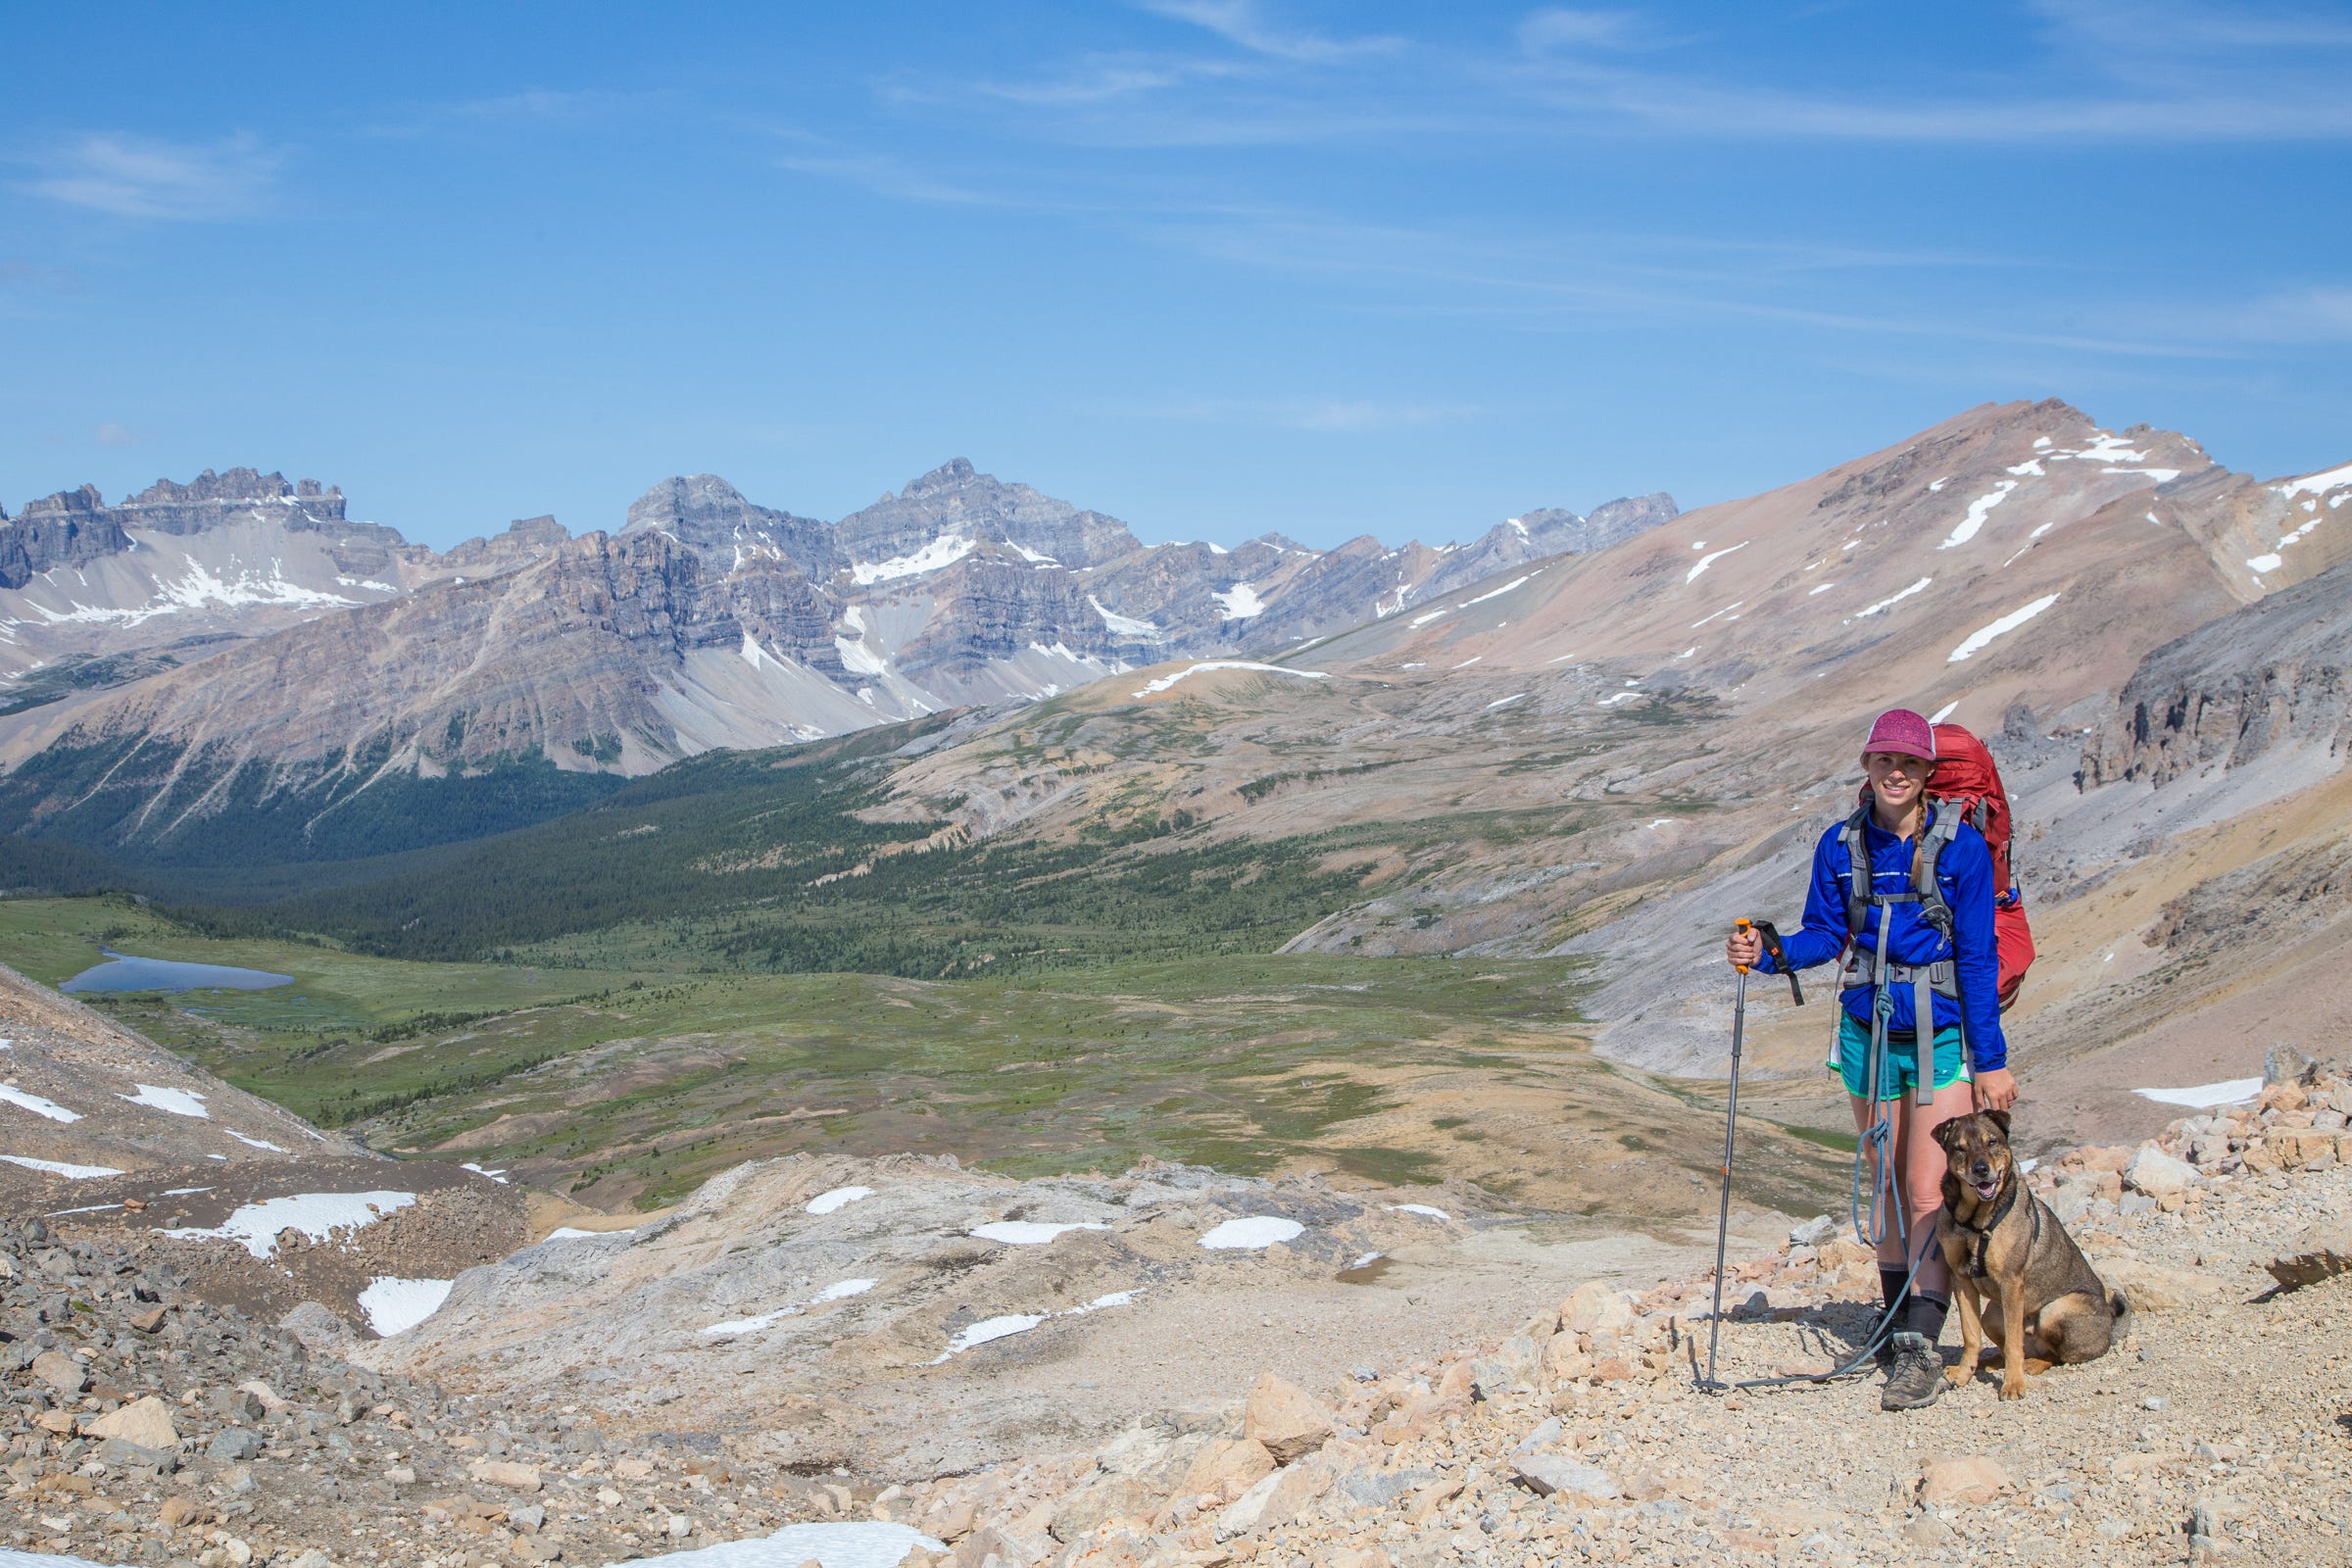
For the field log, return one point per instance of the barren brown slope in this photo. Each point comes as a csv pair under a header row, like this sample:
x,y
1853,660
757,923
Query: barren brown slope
x,y
1612,755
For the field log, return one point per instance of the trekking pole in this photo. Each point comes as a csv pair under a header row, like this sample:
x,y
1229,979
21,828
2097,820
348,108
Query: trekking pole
x,y
1731,1126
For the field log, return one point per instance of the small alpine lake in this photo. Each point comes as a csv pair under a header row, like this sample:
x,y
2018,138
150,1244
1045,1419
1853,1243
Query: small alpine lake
x,y
123,972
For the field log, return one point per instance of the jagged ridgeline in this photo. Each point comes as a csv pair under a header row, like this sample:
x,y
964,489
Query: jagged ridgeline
x,y
772,860
233,673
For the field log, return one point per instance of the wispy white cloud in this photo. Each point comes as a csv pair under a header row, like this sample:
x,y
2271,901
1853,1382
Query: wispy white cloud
x,y
529,106
31,278
141,176
2163,72
1245,24
1569,28
1324,415
111,435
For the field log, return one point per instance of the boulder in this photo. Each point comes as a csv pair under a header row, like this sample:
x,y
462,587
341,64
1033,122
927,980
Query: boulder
x,y
2153,1288
1545,1474
1009,1549
120,1453
1098,1503
1240,1462
62,1372
318,1330
1565,1360
2158,1174
1970,1480
2319,1252
233,1445
1287,1420
1277,1499
506,1473
146,1422
1593,1307
1813,1231
2283,1063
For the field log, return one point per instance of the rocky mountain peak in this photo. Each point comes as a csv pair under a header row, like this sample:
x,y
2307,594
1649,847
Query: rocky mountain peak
x,y
683,497
65,503
952,475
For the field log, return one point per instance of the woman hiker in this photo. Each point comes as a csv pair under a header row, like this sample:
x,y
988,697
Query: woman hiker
x,y
1897,759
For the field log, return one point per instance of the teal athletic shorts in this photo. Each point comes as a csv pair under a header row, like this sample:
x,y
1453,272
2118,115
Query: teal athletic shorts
x,y
1900,1077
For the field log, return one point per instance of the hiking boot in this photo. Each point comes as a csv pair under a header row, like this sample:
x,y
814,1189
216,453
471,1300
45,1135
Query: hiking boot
x,y
1916,1378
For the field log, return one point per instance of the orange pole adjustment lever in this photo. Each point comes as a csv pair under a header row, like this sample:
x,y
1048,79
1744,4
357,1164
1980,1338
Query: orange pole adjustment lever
x,y
1743,925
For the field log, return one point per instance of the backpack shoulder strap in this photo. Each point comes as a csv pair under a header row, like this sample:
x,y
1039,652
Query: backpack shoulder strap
x,y
1931,843
1857,870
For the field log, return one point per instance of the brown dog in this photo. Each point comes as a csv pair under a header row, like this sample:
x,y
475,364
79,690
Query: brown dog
x,y
2004,1245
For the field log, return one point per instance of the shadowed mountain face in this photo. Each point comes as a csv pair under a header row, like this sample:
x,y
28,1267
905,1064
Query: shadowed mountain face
x,y
306,687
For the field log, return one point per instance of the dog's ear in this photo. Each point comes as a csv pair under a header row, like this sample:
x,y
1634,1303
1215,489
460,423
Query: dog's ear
x,y
2000,1119
1947,1130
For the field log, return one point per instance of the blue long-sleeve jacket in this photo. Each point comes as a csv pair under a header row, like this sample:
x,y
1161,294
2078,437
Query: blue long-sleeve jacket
x,y
1964,872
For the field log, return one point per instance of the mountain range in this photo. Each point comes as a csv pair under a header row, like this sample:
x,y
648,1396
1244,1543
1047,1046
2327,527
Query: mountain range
x,y
238,645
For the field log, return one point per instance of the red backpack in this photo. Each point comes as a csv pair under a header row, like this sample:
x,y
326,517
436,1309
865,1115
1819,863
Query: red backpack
x,y
1967,786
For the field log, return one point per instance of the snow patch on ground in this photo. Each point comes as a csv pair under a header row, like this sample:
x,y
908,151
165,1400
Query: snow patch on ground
x,y
837,1197
1423,621
1252,1233
38,1105
1496,593
1724,610
1423,1209
1241,602
2205,1096
1982,637
1894,597
1166,681
842,1543
1028,1232
1712,557
2317,484
317,1216
252,1143
1124,625
839,1290
1033,558
1619,696
60,1168
1943,713
1978,510
178,1101
1506,701
945,551
990,1329
395,1305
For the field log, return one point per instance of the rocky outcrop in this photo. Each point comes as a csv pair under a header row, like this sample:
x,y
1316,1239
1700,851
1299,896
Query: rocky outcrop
x,y
957,500
2278,672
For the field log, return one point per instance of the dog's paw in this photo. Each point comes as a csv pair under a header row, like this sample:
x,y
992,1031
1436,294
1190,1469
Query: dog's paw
x,y
2013,1389
1958,1376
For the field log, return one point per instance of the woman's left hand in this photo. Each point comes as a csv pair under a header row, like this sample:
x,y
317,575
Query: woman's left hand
x,y
1995,1090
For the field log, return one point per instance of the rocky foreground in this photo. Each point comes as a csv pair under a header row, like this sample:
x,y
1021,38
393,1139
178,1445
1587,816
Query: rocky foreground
x,y
143,1425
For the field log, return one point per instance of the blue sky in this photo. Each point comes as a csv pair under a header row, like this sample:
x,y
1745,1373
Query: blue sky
x,y
1214,265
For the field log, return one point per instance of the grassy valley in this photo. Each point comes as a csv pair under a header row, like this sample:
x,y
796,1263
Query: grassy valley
x,y
627,1088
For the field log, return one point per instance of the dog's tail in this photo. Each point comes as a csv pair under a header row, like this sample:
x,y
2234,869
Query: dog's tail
x,y
2122,1308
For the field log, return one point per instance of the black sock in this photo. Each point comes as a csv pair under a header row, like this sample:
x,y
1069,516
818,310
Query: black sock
x,y
1927,1315
1890,1285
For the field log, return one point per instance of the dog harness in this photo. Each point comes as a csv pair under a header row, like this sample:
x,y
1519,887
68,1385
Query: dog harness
x,y
1976,1269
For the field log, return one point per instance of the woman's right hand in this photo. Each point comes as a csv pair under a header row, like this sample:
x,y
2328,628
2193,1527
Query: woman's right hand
x,y
1744,948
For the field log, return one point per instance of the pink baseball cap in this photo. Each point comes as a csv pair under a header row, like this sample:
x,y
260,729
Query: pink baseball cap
x,y
1901,731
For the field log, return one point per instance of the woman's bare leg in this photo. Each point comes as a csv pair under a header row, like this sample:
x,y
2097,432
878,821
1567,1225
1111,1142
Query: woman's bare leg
x,y
1920,1164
